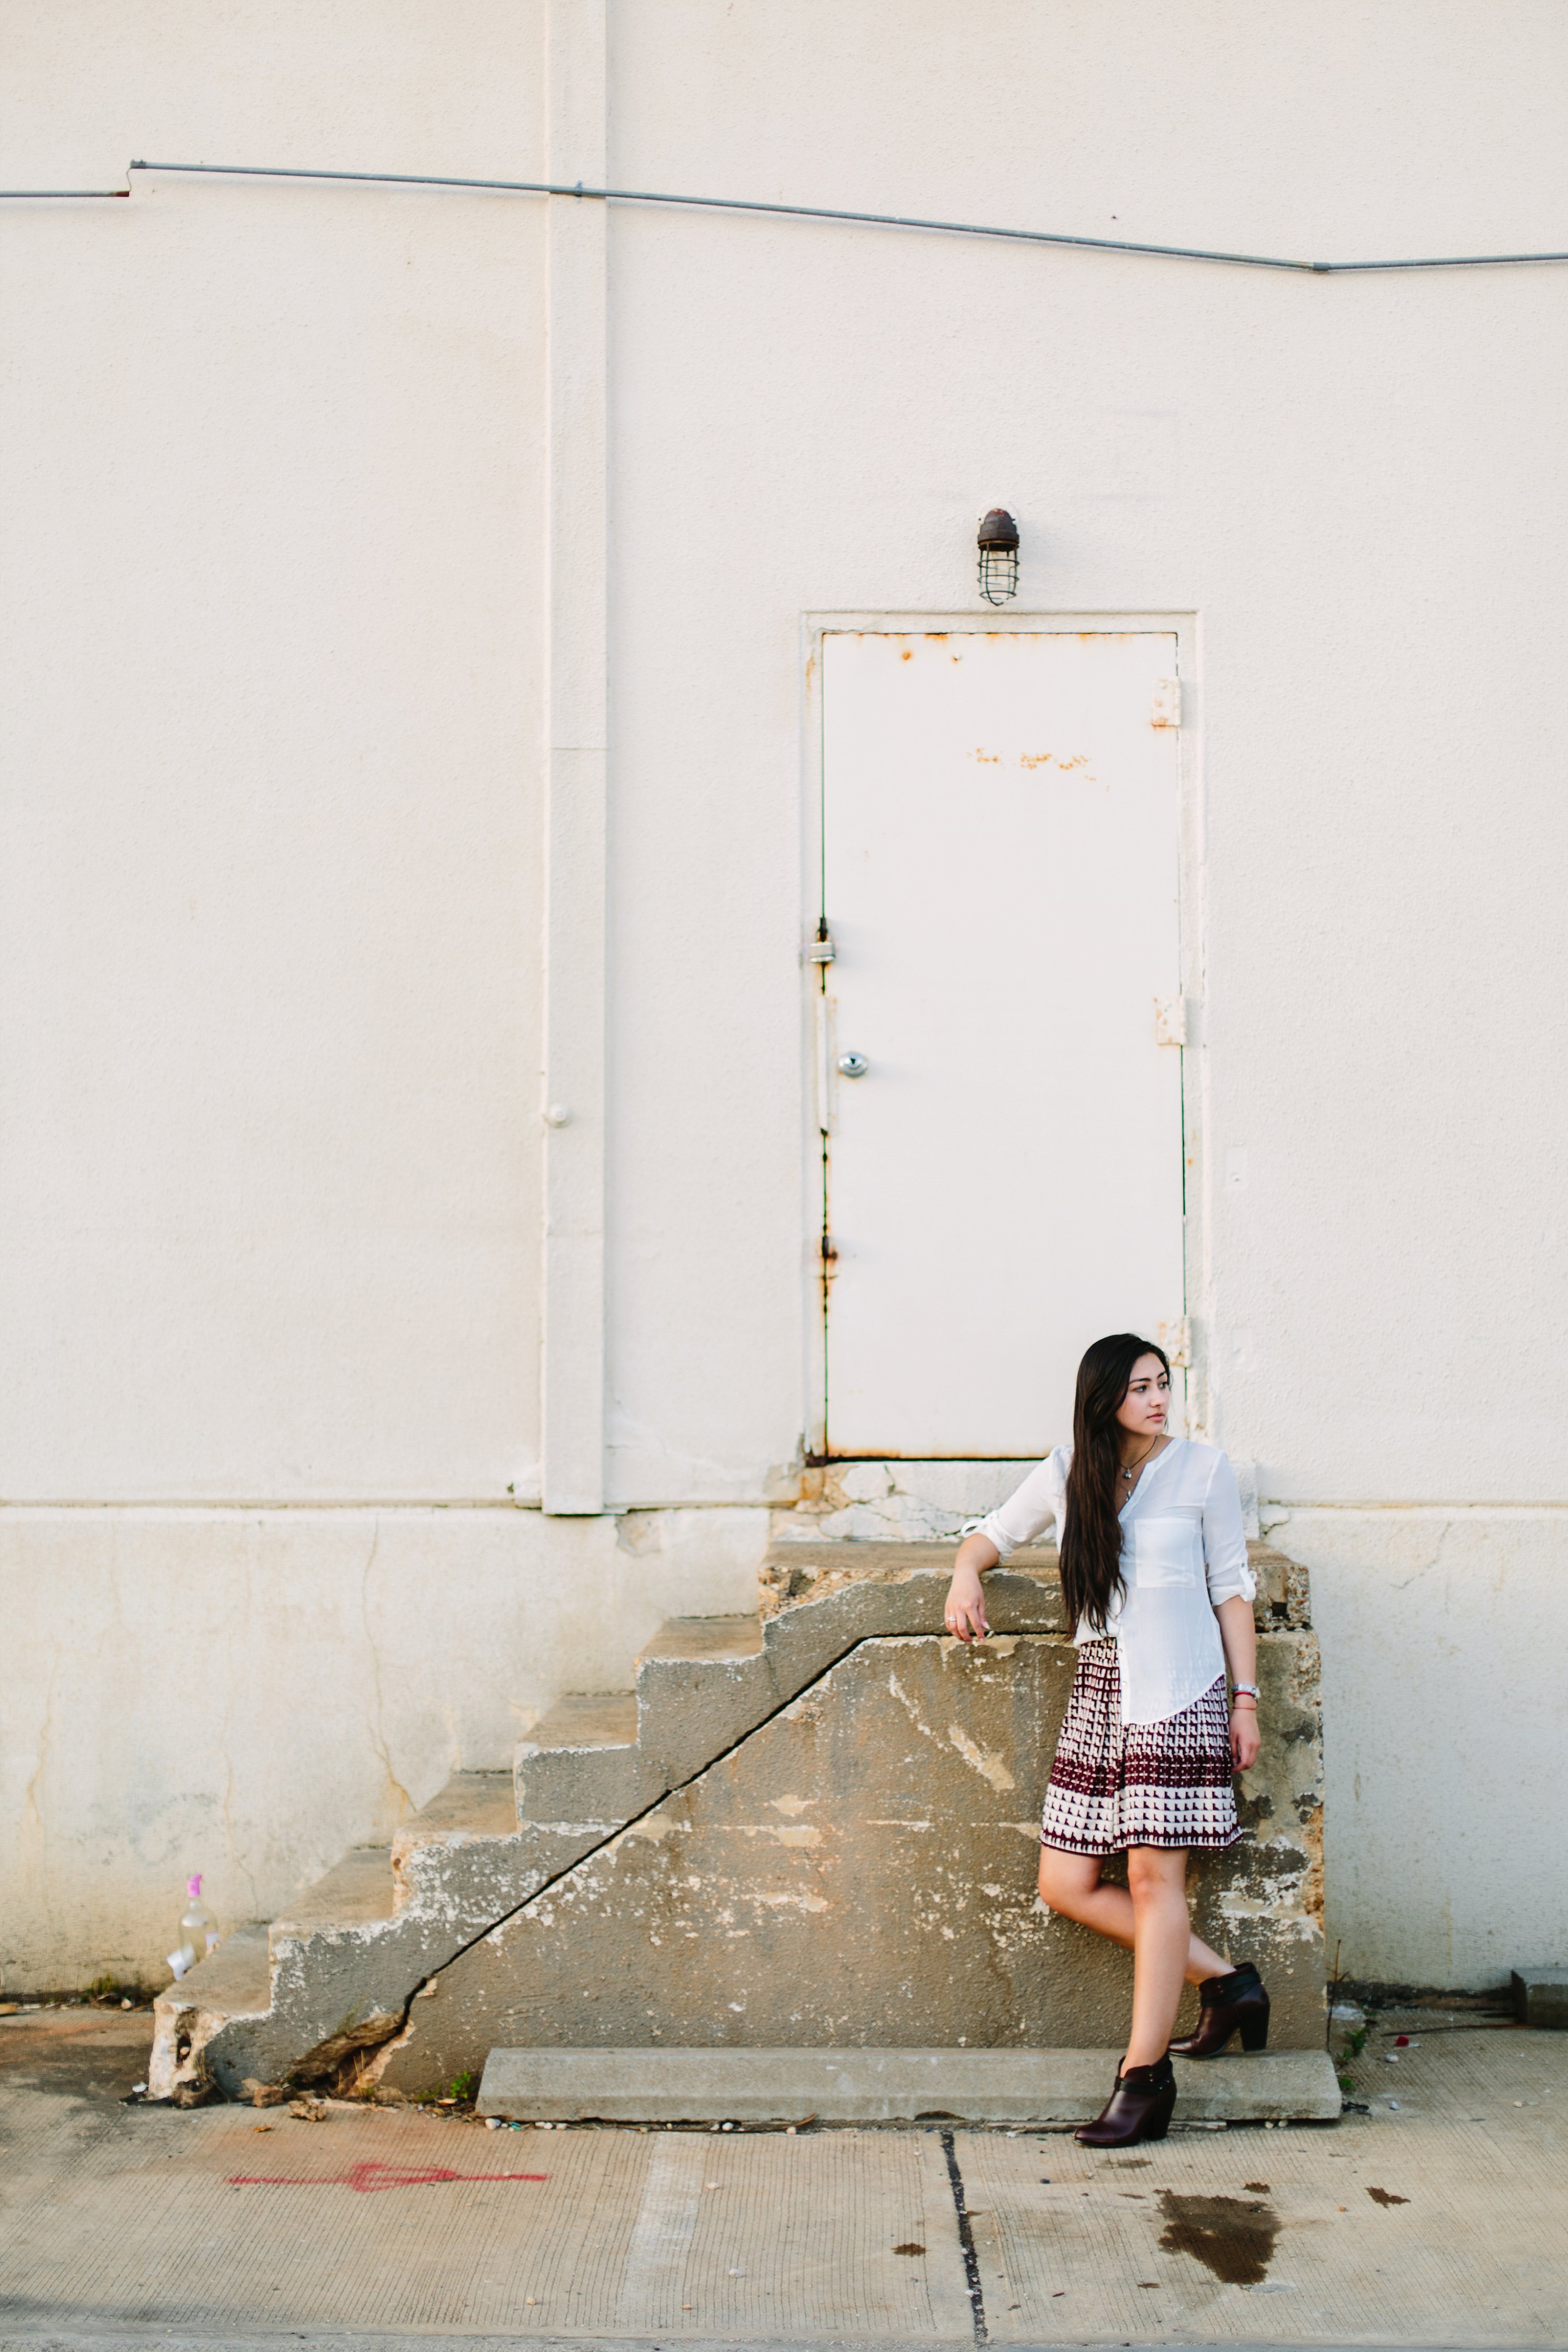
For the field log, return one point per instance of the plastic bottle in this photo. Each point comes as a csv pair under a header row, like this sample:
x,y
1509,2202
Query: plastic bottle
x,y
198,1930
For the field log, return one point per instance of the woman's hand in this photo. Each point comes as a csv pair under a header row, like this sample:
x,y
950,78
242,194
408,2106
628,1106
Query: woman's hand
x,y
1239,1636
964,1611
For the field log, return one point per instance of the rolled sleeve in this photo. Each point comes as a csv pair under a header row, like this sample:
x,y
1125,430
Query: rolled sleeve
x,y
1229,1573
1026,1512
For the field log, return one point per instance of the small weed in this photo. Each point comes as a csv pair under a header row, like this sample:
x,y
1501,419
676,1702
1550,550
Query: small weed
x,y
108,1992
463,2088
1355,2044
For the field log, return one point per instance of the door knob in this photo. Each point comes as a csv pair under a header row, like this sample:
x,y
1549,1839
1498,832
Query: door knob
x,y
853,1065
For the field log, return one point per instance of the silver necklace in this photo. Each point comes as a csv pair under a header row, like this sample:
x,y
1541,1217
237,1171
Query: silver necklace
x,y
1130,1475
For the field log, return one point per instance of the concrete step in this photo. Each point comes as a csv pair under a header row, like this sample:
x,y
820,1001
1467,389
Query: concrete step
x,y
1541,1996
234,1982
582,1762
1020,2087
704,1641
356,1891
471,1804
333,1975
702,1683
463,1848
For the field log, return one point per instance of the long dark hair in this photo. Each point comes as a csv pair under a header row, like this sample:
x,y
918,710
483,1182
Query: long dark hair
x,y
1092,1538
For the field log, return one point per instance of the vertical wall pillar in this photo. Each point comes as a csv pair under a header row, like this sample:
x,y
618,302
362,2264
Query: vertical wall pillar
x,y
572,1435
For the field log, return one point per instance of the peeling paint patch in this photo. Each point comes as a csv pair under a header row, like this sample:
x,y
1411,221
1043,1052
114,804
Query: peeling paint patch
x,y
984,1762
793,1805
655,1829
907,1704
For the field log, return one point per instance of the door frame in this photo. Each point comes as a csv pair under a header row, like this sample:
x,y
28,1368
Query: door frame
x,y
1196,1221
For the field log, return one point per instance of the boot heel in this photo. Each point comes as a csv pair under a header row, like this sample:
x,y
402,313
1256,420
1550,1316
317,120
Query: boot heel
x,y
1255,2031
1159,2121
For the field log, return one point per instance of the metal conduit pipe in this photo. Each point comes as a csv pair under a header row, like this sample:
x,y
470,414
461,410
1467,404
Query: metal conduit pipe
x,y
811,211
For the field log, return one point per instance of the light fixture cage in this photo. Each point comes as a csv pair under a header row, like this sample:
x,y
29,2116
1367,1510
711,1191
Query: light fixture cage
x,y
999,545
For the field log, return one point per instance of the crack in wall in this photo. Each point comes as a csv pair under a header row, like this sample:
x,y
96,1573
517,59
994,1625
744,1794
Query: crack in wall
x,y
640,1824
377,1730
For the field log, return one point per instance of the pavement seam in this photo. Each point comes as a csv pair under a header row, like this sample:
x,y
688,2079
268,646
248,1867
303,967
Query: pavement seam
x,y
966,2239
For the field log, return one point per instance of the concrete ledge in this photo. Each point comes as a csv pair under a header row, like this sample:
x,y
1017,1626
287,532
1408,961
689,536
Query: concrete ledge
x,y
885,2086
1541,1996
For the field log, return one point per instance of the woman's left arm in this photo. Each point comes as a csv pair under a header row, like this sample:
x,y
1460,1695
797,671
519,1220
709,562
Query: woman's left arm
x,y
1240,1635
1232,1588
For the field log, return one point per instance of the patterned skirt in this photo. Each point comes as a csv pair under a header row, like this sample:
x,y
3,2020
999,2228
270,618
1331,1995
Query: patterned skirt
x,y
1145,1784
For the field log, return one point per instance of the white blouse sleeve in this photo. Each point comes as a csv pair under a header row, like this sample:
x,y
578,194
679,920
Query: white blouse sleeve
x,y
1027,1511
1230,1576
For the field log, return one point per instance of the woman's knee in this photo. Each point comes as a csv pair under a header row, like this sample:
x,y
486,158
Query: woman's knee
x,y
1067,1881
1156,1871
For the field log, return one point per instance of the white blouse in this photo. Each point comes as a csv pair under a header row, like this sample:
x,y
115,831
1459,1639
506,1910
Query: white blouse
x,y
1184,1550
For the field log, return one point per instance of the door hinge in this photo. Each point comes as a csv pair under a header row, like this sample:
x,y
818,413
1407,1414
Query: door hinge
x,y
1167,711
1170,1021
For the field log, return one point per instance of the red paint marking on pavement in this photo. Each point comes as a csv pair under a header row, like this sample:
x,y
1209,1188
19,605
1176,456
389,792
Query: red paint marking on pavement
x,y
367,2176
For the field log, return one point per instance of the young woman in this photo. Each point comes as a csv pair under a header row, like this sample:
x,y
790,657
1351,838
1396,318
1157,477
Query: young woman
x,y
1155,1579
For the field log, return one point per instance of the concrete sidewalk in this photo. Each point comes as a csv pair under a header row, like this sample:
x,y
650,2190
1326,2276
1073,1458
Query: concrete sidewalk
x,y
1440,2218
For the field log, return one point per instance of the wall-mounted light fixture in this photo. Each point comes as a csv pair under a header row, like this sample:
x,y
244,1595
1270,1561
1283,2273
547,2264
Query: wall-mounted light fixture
x,y
999,545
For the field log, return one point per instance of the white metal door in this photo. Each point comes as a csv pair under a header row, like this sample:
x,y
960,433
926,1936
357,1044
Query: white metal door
x,y
1000,874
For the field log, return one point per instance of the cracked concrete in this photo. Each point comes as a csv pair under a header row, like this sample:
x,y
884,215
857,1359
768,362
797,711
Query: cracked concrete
x,y
848,1669
1441,2220
906,1915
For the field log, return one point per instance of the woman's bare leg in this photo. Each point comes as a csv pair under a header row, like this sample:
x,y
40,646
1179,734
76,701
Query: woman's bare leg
x,y
1162,1939
1070,1884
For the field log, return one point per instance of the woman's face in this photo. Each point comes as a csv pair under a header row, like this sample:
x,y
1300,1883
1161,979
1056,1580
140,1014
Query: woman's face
x,y
1142,1411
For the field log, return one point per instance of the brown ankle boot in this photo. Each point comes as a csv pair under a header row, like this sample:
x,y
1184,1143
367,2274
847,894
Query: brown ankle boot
x,y
1237,2003
1138,2108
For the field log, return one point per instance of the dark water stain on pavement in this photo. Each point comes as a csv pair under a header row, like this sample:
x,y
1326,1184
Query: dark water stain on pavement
x,y
1232,2236
85,2053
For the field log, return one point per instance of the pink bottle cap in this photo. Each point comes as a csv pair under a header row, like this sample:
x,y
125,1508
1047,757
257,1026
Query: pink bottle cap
x,y
194,1885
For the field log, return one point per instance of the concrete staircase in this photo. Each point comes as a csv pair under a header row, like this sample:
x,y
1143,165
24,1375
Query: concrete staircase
x,y
308,1998
323,1994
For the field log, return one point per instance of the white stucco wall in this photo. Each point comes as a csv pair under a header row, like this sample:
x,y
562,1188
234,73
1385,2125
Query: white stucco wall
x,y
270,853
273,612
1443,1737
246,1693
